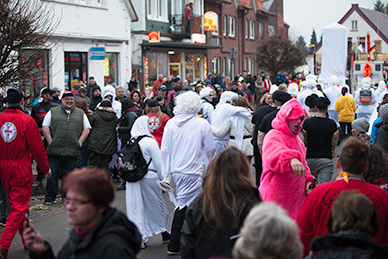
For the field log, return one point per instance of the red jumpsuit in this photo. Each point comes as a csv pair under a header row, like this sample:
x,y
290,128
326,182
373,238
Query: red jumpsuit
x,y
20,138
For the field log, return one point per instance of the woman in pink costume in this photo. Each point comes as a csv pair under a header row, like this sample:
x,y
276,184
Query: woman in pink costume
x,y
286,176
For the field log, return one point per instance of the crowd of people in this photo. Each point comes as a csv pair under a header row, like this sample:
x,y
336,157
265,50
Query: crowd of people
x,y
199,139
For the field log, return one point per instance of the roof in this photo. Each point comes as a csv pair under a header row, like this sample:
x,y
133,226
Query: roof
x,y
132,12
378,21
267,4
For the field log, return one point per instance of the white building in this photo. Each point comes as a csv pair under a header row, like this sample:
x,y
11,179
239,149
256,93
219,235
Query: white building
x,y
83,25
360,21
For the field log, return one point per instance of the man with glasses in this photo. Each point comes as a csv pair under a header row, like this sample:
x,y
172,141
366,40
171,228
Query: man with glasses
x,y
38,113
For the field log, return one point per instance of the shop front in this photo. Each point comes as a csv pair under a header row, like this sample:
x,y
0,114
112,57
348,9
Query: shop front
x,y
188,61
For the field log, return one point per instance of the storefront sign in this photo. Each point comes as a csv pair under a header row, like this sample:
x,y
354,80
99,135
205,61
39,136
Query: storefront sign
x,y
198,38
97,53
210,21
146,70
154,36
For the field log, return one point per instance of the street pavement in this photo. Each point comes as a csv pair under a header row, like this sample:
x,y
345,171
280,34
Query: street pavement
x,y
55,230
52,224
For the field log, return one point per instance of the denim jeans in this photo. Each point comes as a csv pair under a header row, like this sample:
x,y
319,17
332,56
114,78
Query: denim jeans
x,y
5,205
60,166
84,157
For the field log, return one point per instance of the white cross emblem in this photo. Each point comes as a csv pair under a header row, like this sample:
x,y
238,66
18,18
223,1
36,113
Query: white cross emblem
x,y
8,132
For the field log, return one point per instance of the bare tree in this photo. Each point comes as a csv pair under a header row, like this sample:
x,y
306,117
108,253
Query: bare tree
x,y
25,26
276,54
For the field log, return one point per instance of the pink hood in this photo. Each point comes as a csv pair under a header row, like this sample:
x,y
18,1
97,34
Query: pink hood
x,y
289,111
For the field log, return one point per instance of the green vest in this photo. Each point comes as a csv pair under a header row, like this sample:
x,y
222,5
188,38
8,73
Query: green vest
x,y
65,131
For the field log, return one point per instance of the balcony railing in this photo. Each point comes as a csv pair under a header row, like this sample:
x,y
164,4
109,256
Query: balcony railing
x,y
183,27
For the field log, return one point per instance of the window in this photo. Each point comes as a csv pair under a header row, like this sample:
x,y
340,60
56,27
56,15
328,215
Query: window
x,y
354,26
252,30
224,65
157,10
246,28
232,26
250,66
216,65
110,68
261,31
245,64
271,30
224,25
230,68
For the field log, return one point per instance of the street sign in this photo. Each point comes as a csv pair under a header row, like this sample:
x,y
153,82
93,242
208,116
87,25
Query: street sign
x,y
97,53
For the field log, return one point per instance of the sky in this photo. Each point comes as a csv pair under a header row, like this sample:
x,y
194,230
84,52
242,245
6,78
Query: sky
x,y
304,15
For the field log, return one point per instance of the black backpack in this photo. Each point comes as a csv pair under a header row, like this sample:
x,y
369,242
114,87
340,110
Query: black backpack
x,y
130,161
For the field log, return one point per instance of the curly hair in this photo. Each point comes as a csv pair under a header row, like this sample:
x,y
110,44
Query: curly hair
x,y
188,102
377,172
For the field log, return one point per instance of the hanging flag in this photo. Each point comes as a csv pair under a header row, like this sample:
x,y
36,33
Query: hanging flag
x,y
372,50
361,48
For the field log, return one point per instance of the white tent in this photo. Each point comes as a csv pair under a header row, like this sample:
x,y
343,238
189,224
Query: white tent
x,y
334,53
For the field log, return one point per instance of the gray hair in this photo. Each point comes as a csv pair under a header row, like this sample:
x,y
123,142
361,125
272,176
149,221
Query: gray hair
x,y
268,232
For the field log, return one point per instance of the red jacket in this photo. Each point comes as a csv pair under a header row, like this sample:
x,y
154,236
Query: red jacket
x,y
20,138
315,211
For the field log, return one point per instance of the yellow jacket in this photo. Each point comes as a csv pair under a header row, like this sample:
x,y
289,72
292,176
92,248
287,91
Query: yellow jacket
x,y
346,107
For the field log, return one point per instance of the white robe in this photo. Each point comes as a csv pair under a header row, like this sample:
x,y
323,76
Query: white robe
x,y
144,199
220,114
187,148
365,110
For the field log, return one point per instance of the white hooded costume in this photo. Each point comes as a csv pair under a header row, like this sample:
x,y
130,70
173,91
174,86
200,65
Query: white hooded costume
x,y
333,92
187,148
207,108
146,207
116,105
293,90
366,106
310,89
224,110
381,91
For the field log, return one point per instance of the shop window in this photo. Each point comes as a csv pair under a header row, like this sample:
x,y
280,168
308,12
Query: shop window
x,y
158,63
194,65
216,65
75,68
111,69
40,62
232,26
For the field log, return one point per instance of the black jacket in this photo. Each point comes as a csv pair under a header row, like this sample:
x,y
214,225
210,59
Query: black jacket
x,y
382,134
114,237
346,246
200,240
125,126
102,137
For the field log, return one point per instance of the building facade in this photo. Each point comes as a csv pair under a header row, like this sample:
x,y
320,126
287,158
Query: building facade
x,y
220,37
91,38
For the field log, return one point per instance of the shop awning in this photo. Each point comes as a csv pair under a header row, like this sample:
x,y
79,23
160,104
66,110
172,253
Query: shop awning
x,y
180,45
218,1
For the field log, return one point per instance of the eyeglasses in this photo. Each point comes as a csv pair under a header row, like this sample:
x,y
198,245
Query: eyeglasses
x,y
76,203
